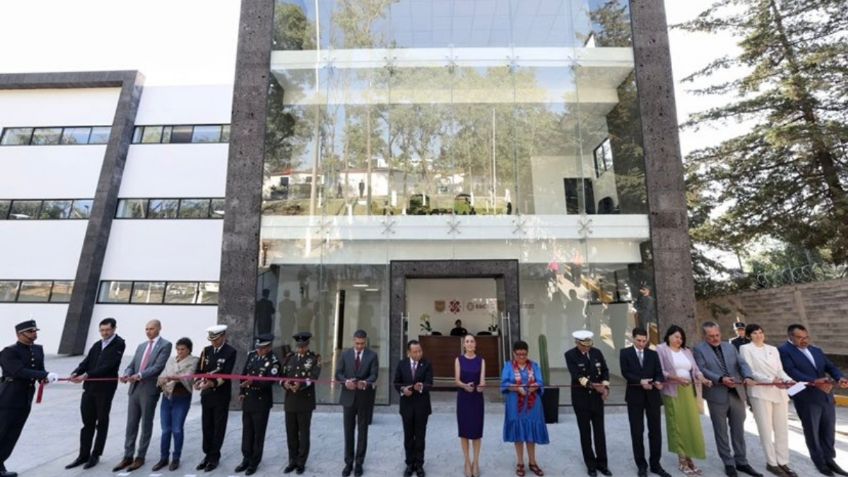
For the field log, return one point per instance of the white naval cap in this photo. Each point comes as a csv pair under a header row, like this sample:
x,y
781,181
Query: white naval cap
x,y
215,331
583,335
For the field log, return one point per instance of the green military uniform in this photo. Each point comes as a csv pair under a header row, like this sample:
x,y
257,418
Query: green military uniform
x,y
299,404
257,399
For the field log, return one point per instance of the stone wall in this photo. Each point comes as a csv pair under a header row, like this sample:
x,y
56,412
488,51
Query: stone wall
x,y
821,306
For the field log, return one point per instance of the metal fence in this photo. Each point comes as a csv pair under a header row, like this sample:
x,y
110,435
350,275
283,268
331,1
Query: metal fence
x,y
806,274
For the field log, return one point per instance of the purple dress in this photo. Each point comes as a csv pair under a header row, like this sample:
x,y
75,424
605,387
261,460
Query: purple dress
x,y
469,406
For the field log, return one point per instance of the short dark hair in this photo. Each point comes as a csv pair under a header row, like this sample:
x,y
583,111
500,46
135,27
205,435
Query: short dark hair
x,y
795,326
185,342
457,322
675,329
520,345
109,321
411,343
752,328
639,331
360,333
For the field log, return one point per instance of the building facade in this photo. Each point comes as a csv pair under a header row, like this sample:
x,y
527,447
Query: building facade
x,y
389,166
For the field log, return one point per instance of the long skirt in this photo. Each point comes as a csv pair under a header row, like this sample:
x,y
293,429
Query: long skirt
x,y
683,424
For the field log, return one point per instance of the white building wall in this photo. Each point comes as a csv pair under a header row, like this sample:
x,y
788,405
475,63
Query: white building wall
x,y
58,107
50,172
50,318
210,104
175,170
34,249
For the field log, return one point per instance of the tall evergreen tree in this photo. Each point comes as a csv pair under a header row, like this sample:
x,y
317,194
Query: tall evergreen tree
x,y
787,175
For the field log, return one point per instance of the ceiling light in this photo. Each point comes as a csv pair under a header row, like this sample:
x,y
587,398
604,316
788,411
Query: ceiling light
x,y
372,289
360,285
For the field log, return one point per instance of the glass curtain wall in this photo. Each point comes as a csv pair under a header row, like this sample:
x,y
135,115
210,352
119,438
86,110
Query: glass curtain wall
x,y
453,130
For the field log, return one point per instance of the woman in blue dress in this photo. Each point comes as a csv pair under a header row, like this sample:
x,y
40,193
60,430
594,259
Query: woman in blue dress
x,y
524,422
470,377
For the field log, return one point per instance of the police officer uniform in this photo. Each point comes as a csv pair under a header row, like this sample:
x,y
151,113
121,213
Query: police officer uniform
x,y
256,398
587,369
23,367
739,340
303,364
215,401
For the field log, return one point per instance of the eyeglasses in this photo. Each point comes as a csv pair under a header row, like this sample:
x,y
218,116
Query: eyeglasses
x,y
521,354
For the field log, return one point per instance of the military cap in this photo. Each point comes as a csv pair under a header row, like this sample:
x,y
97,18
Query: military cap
x,y
216,331
28,325
265,339
583,337
739,325
302,338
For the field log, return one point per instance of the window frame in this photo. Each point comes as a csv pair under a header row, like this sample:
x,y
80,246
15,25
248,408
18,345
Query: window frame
x,y
50,292
195,300
41,202
210,213
61,129
223,138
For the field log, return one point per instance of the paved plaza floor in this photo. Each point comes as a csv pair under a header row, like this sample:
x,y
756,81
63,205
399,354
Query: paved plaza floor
x,y
50,441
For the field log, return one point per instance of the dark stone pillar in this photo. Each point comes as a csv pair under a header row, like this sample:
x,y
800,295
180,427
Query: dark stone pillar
x,y
242,218
675,290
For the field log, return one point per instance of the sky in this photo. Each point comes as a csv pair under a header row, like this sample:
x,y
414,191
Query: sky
x,y
194,42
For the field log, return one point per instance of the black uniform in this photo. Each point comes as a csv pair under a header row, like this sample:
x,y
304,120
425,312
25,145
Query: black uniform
x,y
739,341
256,406
215,401
300,404
23,367
588,403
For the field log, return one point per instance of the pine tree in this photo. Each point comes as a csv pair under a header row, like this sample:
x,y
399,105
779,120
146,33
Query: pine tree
x,y
787,176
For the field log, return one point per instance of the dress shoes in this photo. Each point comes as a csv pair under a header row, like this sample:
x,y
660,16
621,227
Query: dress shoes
x,y
92,461
348,468
8,473
241,467
747,469
730,471
210,466
419,471
642,472
175,464
160,465
250,471
660,471
136,464
825,471
592,473
202,465
836,469
289,469
123,464
77,462
358,471
300,469
776,470
408,471
786,470
604,471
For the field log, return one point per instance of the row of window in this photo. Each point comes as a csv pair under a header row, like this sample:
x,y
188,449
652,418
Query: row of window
x,y
170,209
158,293
36,291
183,134
51,136
50,209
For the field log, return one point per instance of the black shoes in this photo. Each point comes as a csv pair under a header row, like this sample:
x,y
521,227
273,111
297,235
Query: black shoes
x,y
241,467
730,471
836,469
604,471
660,471
77,462
420,471
160,465
357,471
348,468
175,464
825,471
92,461
201,465
408,471
300,469
250,471
786,470
289,469
210,466
123,464
749,470
592,473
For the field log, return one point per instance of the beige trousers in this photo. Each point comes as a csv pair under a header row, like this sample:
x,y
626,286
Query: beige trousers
x,y
773,425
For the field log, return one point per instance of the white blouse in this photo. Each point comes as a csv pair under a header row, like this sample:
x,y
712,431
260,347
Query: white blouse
x,y
765,366
682,365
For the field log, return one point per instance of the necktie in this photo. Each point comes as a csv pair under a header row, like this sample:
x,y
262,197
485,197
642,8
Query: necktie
x,y
357,362
721,361
414,367
641,358
146,357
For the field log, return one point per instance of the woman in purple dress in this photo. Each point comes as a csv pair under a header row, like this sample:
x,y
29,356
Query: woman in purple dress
x,y
470,376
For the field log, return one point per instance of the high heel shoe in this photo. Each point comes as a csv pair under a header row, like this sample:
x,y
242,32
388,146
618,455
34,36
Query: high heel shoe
x,y
475,470
468,469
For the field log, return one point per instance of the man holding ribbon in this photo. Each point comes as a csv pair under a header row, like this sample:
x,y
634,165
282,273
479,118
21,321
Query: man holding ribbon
x,y
23,366
413,380
357,369
303,367
256,397
217,358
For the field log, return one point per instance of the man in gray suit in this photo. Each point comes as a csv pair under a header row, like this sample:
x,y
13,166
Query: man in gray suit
x,y
149,361
722,364
357,369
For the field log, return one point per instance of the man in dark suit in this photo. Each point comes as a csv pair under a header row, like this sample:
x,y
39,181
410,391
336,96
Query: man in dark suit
x,y
641,368
103,361
304,366
256,399
589,390
23,366
413,380
357,369
730,373
814,405
217,358
142,373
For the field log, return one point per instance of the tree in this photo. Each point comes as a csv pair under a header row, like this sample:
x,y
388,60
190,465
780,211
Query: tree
x,y
785,177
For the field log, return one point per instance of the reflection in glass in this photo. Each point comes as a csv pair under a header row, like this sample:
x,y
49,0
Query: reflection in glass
x,y
225,133
82,209
4,209
216,208
46,136
16,136
163,209
100,135
115,292
55,209
152,134
24,209
206,134
62,290
181,292
34,291
194,208
181,134
132,209
8,290
75,135
208,293
148,292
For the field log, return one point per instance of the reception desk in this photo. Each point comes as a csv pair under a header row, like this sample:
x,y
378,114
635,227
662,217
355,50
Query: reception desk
x,y
443,350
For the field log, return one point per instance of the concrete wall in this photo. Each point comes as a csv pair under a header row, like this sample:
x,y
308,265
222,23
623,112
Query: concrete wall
x,y
821,306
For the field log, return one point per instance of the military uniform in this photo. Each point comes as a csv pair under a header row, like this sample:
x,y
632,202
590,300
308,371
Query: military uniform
x,y
587,369
23,367
256,405
215,401
300,404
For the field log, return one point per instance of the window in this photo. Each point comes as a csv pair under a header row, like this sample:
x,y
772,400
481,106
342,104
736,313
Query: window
x,y
180,292
208,293
163,209
100,135
181,134
56,209
16,136
194,208
603,157
225,133
216,208
206,134
81,209
76,135
115,292
24,209
4,209
62,291
132,209
34,291
148,292
46,136
152,135
8,290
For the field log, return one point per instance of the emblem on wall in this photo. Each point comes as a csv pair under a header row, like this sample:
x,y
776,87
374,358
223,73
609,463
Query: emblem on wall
x,y
439,306
455,306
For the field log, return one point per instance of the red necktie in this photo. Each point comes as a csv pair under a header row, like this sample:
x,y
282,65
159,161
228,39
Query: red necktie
x,y
357,362
146,357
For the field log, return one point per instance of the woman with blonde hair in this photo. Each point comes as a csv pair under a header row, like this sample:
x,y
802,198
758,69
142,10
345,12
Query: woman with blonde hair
x,y
470,376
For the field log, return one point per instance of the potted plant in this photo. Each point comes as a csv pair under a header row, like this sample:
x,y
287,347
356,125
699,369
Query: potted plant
x,y
550,398
424,325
